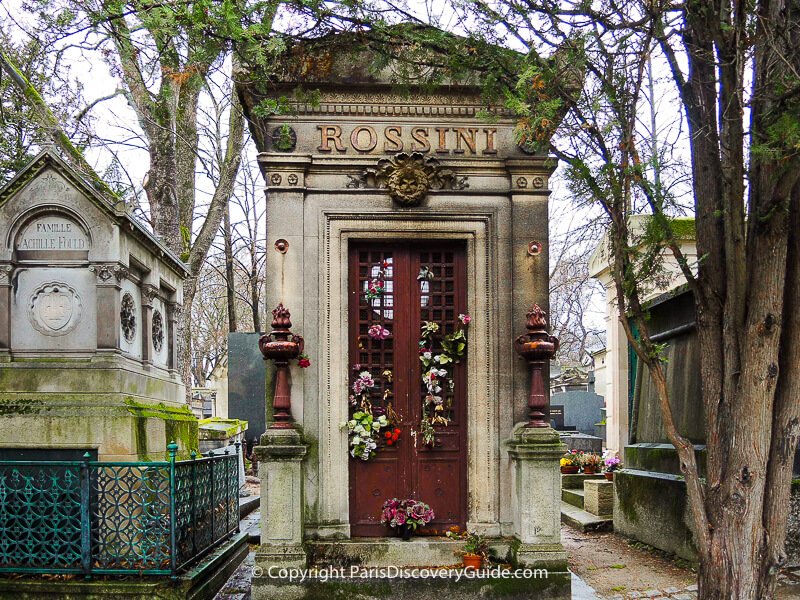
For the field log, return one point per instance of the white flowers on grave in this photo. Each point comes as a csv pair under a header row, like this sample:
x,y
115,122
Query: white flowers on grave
x,y
436,406
364,431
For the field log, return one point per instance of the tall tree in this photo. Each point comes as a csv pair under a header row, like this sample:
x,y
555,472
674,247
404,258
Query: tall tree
x,y
724,57
165,54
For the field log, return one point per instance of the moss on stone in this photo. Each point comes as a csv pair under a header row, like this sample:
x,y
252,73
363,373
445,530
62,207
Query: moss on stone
x,y
180,426
683,228
20,406
230,427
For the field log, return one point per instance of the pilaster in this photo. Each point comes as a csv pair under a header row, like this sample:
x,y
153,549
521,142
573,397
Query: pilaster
x,y
535,453
149,293
109,277
5,308
280,467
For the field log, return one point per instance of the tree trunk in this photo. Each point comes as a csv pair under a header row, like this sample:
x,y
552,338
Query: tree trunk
x,y
255,283
184,336
230,283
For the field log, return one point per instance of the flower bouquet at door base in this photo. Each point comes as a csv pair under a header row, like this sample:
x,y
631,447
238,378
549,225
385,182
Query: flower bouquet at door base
x,y
406,515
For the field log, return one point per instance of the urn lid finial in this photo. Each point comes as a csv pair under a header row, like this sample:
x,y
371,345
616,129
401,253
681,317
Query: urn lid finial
x,y
537,319
281,317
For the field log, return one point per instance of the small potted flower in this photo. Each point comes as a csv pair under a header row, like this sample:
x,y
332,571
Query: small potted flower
x,y
613,463
591,463
569,463
475,547
406,515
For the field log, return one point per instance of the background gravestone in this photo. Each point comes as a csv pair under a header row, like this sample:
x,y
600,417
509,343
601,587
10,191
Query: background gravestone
x,y
582,410
247,384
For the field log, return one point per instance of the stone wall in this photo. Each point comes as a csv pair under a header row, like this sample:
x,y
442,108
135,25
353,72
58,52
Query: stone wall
x,y
652,507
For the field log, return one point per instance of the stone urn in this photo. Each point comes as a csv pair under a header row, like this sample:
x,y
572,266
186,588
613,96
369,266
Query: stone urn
x,y
281,345
537,347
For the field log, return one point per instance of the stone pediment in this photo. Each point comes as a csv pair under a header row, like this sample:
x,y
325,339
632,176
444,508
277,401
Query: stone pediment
x,y
51,181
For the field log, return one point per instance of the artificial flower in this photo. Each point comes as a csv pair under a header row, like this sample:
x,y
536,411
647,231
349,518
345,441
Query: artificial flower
x,y
378,332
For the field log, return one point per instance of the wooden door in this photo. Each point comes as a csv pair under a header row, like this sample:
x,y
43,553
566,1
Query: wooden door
x,y
421,282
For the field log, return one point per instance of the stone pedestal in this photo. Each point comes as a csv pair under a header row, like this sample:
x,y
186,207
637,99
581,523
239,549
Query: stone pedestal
x,y
280,467
598,497
537,517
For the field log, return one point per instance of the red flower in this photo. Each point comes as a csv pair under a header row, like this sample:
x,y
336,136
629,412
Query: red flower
x,y
303,361
397,431
389,442
388,435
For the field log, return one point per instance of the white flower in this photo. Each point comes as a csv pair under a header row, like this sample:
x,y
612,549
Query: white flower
x,y
427,355
441,373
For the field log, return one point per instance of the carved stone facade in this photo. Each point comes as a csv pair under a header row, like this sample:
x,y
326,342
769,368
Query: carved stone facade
x,y
376,167
79,282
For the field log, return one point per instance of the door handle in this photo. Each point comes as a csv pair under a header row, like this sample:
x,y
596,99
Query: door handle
x,y
413,434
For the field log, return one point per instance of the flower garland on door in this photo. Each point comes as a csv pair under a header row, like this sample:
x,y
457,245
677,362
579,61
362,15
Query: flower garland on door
x,y
364,428
437,373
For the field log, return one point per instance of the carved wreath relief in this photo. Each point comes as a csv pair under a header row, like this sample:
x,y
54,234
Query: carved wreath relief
x,y
127,317
55,309
409,177
158,331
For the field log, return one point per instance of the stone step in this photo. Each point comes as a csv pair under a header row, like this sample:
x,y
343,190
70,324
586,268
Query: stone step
x,y
573,482
573,497
385,552
583,521
248,505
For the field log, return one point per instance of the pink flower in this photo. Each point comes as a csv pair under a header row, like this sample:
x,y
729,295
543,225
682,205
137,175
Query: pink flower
x,y
377,332
418,511
465,319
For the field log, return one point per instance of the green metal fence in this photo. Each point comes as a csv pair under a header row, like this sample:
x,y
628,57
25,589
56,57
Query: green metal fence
x,y
89,517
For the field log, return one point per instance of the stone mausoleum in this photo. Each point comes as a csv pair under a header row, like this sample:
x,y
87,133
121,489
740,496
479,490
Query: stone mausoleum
x,y
403,225
88,307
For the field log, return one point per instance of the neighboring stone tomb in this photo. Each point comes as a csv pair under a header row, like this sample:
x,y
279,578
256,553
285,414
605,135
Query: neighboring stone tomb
x,y
88,306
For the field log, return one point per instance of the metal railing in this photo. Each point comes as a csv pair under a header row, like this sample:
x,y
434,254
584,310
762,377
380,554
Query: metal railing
x,y
89,517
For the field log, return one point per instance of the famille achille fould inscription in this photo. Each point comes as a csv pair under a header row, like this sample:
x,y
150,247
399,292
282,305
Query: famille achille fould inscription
x,y
52,232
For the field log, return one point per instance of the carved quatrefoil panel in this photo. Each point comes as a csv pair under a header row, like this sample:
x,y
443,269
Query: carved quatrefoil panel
x,y
55,309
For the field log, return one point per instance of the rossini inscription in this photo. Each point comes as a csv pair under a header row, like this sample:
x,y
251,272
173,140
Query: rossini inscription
x,y
366,139
52,233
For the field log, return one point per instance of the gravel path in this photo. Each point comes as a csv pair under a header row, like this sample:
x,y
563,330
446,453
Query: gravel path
x,y
618,570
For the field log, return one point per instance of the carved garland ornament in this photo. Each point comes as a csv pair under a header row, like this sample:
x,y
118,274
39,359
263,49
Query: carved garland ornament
x,y
408,177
